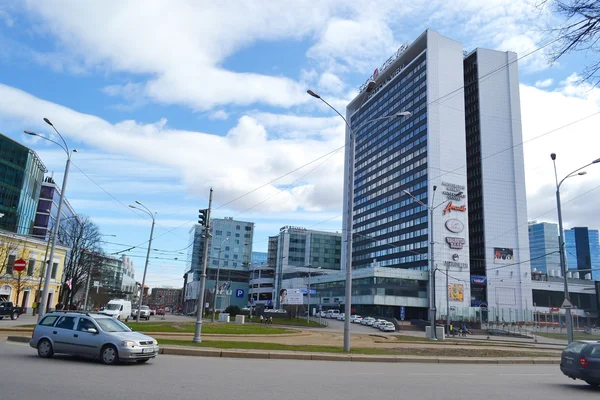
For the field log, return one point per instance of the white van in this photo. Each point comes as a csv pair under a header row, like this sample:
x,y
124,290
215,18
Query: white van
x,y
119,309
332,314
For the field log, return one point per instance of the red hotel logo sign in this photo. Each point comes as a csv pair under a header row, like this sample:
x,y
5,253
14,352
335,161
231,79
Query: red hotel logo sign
x,y
455,242
452,207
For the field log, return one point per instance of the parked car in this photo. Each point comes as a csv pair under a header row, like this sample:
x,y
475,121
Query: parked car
x,y
91,335
368,321
387,327
332,314
8,309
379,322
321,314
160,311
354,317
341,317
153,311
581,360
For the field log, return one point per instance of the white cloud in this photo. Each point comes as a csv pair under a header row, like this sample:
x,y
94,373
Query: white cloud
x,y
575,145
243,160
357,44
218,115
545,83
331,83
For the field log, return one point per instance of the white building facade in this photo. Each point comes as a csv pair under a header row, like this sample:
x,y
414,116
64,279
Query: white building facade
x,y
427,154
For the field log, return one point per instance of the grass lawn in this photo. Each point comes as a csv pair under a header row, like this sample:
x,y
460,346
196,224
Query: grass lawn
x,y
441,352
208,327
563,336
292,322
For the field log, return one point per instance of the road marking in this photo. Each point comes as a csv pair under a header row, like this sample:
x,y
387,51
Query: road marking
x,y
527,374
368,373
436,374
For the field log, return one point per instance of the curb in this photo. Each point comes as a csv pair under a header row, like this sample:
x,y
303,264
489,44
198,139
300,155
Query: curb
x,y
18,339
288,355
210,352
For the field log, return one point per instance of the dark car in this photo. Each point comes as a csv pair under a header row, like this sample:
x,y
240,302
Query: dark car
x,y
581,360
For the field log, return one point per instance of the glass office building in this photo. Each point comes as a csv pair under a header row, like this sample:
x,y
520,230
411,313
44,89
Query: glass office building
x,y
543,248
296,251
583,252
21,175
229,256
47,213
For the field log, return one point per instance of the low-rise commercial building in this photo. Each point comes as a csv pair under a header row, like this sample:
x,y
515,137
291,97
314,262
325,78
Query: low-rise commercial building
x,y
23,287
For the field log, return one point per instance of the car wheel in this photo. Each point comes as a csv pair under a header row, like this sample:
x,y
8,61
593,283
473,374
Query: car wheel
x,y
109,355
145,360
14,316
148,318
1,318
45,349
127,319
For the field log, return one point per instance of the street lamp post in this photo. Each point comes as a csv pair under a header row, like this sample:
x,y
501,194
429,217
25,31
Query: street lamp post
x,y
349,195
309,273
561,239
212,318
65,147
432,268
152,215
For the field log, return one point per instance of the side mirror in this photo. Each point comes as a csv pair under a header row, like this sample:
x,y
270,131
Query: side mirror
x,y
92,330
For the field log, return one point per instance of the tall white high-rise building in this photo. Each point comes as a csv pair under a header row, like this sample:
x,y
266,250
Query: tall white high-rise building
x,y
465,108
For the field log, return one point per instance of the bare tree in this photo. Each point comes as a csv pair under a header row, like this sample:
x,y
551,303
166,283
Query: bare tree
x,y
580,32
82,237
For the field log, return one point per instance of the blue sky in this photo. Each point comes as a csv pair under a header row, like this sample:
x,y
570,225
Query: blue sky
x,y
165,99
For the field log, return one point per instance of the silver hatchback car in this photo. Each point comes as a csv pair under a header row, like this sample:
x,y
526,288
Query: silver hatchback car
x,y
91,335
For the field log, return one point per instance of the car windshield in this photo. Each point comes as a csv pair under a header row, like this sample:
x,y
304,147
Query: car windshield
x,y
112,325
144,307
113,306
575,347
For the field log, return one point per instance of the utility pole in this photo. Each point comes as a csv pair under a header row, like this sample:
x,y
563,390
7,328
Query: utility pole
x,y
214,308
205,220
432,269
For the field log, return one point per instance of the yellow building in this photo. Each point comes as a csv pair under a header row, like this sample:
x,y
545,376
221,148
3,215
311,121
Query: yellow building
x,y
21,287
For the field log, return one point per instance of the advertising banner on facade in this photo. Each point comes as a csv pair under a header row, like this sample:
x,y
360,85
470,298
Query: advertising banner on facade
x,y
503,255
456,292
478,280
291,297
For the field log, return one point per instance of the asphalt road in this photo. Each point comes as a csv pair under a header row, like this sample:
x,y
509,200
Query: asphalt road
x,y
25,376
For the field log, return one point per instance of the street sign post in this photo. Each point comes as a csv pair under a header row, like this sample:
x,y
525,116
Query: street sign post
x,y
566,304
20,265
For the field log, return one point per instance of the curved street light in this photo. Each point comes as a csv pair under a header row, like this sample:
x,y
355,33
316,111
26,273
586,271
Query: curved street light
x,y
152,215
44,300
561,238
349,207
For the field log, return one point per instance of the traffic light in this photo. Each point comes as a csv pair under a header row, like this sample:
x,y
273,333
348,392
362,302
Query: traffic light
x,y
203,217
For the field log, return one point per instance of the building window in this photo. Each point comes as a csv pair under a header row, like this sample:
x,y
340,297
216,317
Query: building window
x,y
54,268
228,234
237,235
30,267
248,228
10,263
237,227
215,262
219,233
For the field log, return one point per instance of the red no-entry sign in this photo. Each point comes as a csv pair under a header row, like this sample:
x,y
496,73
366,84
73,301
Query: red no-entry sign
x,y
20,265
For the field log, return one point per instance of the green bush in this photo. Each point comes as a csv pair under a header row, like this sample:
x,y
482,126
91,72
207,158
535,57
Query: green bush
x,y
233,311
